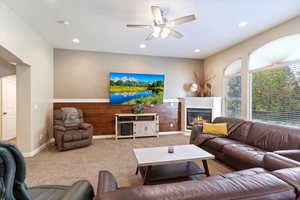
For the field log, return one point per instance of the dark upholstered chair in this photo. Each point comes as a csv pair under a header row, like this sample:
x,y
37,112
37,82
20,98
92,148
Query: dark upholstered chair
x,y
71,137
13,187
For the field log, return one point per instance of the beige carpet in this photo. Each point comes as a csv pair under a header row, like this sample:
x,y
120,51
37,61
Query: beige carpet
x,y
52,167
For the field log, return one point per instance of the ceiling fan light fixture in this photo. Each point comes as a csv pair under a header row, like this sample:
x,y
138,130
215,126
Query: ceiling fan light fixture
x,y
165,32
162,27
156,31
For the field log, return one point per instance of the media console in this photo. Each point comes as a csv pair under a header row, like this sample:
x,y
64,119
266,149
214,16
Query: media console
x,y
136,125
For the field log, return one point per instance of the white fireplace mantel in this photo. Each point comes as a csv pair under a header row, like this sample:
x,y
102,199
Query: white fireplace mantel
x,y
213,103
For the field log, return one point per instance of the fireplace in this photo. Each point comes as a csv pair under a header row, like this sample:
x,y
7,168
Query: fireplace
x,y
196,115
195,108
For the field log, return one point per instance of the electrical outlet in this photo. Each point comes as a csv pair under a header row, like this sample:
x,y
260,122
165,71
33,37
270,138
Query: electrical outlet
x,y
171,125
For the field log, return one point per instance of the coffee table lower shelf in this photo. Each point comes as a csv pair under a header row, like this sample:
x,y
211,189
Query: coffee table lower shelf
x,y
170,172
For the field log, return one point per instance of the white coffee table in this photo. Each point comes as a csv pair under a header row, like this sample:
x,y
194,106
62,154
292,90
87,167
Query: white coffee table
x,y
157,164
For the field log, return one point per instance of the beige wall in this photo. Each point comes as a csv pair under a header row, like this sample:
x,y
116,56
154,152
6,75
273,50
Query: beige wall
x,y
85,74
216,64
34,83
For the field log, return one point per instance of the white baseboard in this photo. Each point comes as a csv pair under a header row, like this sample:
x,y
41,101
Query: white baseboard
x,y
170,133
188,133
37,150
96,137
160,133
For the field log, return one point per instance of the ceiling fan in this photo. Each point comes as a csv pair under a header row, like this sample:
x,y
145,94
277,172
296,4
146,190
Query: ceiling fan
x,y
162,27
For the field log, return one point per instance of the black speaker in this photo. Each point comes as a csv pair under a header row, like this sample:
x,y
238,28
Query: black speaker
x,y
126,128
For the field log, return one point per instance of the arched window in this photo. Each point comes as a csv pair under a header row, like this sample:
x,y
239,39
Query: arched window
x,y
275,82
283,50
234,68
233,89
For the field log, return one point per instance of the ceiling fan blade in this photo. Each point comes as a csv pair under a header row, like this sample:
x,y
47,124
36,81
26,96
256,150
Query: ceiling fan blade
x,y
138,26
157,14
150,37
176,34
182,20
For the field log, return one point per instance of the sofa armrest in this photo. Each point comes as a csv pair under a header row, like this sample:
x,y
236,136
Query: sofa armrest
x,y
59,128
197,129
272,161
106,183
292,154
80,190
85,126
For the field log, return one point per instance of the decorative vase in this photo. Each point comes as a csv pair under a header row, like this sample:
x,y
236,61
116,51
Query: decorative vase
x,y
138,109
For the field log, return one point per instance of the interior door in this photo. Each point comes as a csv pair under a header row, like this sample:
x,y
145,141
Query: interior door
x,y
9,113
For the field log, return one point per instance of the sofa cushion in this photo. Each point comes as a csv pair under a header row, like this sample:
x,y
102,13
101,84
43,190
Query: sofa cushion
x,y
215,128
239,128
245,153
241,132
290,175
273,137
273,161
219,143
246,172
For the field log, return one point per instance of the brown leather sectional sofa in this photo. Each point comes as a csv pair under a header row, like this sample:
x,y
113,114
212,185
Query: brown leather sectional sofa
x,y
249,184
248,142
250,145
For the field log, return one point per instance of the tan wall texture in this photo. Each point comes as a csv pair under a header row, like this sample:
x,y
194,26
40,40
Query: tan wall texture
x,y
85,74
216,64
34,83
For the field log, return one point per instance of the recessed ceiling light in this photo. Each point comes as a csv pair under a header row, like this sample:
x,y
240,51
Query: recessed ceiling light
x,y
143,46
243,24
64,22
196,50
76,40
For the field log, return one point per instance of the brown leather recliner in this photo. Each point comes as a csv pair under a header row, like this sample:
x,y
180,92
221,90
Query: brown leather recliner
x,y
67,137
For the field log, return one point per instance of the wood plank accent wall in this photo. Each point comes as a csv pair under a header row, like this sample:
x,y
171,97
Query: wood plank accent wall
x,y
102,115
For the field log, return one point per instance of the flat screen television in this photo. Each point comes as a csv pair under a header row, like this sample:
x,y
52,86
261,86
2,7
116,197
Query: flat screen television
x,y
128,88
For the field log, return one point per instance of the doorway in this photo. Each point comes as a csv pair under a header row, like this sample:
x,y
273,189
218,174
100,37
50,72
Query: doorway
x,y
8,109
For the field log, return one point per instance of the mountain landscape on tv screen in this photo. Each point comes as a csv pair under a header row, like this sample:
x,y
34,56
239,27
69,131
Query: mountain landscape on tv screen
x,y
128,88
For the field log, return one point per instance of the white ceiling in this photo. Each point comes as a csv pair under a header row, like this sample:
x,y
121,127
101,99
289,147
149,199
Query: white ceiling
x,y
101,24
